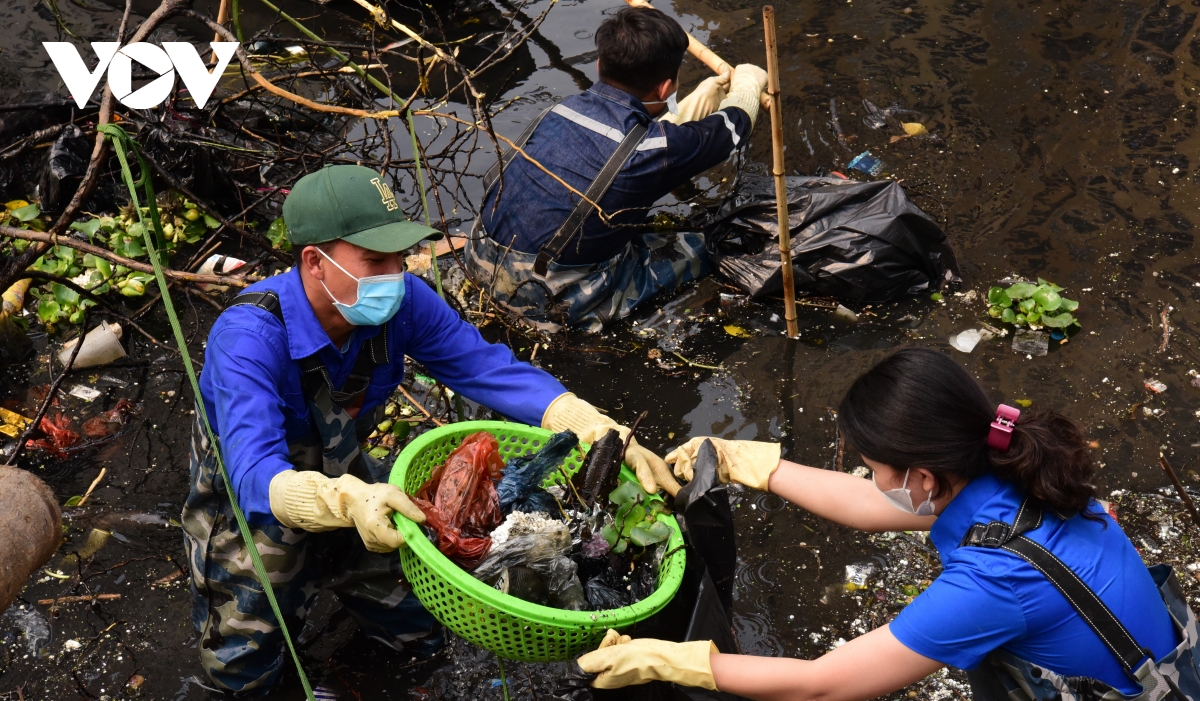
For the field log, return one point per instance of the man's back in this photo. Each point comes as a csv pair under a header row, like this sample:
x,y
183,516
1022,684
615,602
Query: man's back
x,y
574,141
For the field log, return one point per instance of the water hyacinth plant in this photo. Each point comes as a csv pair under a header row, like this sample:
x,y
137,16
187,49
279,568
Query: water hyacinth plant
x,y
1032,305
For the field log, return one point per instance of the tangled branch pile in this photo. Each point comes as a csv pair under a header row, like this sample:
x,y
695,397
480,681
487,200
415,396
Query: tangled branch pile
x,y
397,100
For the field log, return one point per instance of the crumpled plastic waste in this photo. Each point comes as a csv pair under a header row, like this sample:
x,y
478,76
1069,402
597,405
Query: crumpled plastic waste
x,y
543,552
460,502
967,340
59,436
574,685
34,627
111,421
525,473
520,523
644,579
602,596
858,242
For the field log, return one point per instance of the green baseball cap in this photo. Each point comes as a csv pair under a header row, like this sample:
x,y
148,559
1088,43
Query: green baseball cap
x,y
351,203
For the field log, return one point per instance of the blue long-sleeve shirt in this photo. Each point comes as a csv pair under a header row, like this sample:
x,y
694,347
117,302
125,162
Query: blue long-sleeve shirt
x,y
573,142
251,378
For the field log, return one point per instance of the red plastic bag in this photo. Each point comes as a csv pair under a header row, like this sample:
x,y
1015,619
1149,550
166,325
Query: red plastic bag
x,y
460,502
111,421
60,438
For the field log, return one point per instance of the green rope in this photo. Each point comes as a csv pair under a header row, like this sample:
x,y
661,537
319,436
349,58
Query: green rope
x,y
437,273
503,680
235,14
120,140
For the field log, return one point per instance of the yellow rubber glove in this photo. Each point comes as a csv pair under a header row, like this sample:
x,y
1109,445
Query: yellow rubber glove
x,y
570,412
313,502
623,662
702,101
746,462
747,83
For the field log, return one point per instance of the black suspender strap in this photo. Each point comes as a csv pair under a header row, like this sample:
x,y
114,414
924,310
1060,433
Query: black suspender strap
x,y
551,250
1081,597
315,375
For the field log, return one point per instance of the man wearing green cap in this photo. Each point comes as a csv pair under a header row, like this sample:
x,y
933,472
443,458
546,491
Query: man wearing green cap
x,y
296,374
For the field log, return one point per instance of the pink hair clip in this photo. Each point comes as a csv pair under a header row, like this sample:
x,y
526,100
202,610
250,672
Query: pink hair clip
x,y
1001,434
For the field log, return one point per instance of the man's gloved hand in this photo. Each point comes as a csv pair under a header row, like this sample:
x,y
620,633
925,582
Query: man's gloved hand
x,y
747,83
746,462
309,500
570,412
622,662
702,101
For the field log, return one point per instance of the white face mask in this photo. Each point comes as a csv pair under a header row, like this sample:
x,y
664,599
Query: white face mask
x,y
902,498
671,103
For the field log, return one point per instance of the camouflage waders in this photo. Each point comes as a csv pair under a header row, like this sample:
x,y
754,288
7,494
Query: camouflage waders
x,y
241,645
1005,677
586,295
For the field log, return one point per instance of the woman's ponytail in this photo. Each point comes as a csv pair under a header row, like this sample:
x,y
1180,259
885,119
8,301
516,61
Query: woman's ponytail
x,y
917,408
1048,460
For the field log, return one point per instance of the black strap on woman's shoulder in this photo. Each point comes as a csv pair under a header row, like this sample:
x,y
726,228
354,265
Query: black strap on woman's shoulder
x,y
1086,603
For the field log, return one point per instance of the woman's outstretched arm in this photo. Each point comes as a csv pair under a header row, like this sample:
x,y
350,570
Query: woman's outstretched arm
x,y
864,668
842,498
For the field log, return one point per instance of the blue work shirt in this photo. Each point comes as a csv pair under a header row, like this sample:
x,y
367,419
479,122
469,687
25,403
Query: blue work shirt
x,y
251,378
574,141
986,598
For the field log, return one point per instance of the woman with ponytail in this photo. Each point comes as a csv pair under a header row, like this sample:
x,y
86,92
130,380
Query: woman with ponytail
x,y
1041,595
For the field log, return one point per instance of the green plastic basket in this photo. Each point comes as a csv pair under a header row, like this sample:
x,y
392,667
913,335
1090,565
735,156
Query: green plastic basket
x,y
510,627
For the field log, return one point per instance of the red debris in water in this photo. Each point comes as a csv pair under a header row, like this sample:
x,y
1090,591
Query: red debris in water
x,y
59,436
111,421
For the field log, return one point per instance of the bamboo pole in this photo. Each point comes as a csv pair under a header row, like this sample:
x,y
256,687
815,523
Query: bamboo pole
x,y
703,54
781,203
1183,495
222,18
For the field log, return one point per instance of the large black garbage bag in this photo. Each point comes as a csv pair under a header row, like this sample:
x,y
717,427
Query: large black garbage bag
x,y
859,242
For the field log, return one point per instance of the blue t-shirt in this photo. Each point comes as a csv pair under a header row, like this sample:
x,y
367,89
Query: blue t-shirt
x,y
987,599
251,379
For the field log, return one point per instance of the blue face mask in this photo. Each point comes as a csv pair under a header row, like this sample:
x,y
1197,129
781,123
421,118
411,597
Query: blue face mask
x,y
379,297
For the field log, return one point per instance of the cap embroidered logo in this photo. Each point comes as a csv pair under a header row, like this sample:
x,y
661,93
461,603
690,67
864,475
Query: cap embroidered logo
x,y
388,199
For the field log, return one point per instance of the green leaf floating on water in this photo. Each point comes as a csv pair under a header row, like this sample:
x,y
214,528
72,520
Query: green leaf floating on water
x,y
1060,321
1068,305
27,213
1047,299
1021,290
1028,305
1009,316
999,298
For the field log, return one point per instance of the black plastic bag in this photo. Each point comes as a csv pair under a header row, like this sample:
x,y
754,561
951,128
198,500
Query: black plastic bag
x,y
602,597
703,506
525,473
856,241
65,166
574,685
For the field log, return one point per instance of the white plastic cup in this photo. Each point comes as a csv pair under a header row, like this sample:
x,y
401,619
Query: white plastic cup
x,y
217,264
101,346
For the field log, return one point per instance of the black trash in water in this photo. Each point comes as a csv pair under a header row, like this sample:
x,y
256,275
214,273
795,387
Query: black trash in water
x,y
856,241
